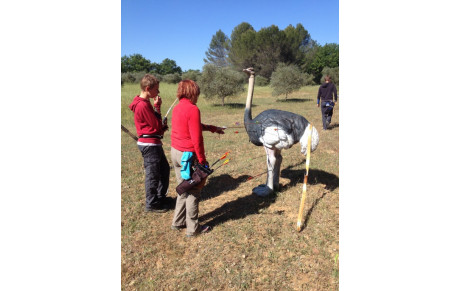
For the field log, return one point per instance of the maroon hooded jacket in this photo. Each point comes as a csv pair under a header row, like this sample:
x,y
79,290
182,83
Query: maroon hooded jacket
x,y
147,121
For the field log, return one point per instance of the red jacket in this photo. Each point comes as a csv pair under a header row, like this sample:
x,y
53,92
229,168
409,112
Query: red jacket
x,y
147,121
186,129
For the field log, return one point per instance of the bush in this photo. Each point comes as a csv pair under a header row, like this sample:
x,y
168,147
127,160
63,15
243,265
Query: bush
x,y
171,78
333,73
261,81
309,79
127,78
132,77
191,75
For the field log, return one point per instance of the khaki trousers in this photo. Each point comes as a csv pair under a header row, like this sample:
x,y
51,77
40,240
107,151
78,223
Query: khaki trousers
x,y
186,211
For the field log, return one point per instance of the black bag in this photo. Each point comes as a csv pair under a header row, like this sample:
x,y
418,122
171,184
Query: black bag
x,y
200,173
329,107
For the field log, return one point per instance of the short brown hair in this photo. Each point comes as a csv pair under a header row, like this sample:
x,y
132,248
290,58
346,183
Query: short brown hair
x,y
188,89
148,81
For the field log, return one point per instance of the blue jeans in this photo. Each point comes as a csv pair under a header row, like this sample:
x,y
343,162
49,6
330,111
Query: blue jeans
x,y
156,175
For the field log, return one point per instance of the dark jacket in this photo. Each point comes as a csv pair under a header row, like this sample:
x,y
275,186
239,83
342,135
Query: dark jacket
x,y
325,92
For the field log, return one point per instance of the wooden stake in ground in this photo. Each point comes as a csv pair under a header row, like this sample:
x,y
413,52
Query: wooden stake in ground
x,y
304,188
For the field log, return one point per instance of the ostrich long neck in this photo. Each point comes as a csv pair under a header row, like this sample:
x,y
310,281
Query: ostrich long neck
x,y
247,111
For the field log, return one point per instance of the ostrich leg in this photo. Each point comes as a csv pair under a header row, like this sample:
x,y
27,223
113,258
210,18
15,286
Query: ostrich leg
x,y
276,169
274,160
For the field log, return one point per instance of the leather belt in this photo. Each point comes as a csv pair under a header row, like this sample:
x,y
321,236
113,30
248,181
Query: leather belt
x,y
151,136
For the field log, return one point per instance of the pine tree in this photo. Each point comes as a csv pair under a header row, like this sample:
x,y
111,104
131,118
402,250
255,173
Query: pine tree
x,y
219,47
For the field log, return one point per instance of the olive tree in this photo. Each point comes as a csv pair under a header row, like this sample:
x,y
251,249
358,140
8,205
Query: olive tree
x,y
220,82
286,79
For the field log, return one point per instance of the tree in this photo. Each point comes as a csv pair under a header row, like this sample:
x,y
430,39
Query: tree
x,y
219,47
220,82
134,63
286,79
271,47
264,49
298,42
242,46
167,66
325,56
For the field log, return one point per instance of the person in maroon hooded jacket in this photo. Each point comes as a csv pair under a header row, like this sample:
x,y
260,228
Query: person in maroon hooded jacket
x,y
150,131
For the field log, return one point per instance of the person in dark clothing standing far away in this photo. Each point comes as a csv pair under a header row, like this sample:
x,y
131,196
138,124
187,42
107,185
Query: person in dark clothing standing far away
x,y
325,92
187,147
150,130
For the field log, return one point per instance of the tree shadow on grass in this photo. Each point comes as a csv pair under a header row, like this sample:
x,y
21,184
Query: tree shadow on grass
x,y
238,209
216,185
232,105
294,100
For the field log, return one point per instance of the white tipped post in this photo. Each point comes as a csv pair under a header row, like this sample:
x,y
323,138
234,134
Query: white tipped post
x,y
304,188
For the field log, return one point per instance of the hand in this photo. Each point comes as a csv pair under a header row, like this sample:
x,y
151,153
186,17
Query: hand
x,y
165,124
220,130
157,100
317,105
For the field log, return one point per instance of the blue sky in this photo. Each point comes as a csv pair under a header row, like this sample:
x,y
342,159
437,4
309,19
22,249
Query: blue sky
x,y
182,30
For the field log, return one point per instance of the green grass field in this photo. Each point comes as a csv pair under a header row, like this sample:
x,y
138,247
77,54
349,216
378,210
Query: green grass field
x,y
254,244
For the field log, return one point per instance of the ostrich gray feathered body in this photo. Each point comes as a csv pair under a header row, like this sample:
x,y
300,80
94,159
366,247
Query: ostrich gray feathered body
x,y
275,128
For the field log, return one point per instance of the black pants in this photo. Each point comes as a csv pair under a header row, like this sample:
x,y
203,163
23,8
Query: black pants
x,y
156,175
326,112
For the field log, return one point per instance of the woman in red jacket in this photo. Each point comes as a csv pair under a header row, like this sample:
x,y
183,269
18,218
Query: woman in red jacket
x,y
187,137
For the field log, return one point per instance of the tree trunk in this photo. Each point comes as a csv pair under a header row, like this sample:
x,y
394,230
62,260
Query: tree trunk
x,y
285,99
223,98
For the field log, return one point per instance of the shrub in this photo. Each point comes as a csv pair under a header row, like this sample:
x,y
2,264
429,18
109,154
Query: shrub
x,y
261,81
333,73
127,78
191,75
309,79
132,77
171,78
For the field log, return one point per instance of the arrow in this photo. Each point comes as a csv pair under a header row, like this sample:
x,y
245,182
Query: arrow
x,y
221,158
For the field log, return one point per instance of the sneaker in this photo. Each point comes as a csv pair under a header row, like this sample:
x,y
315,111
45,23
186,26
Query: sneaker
x,y
158,209
204,229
